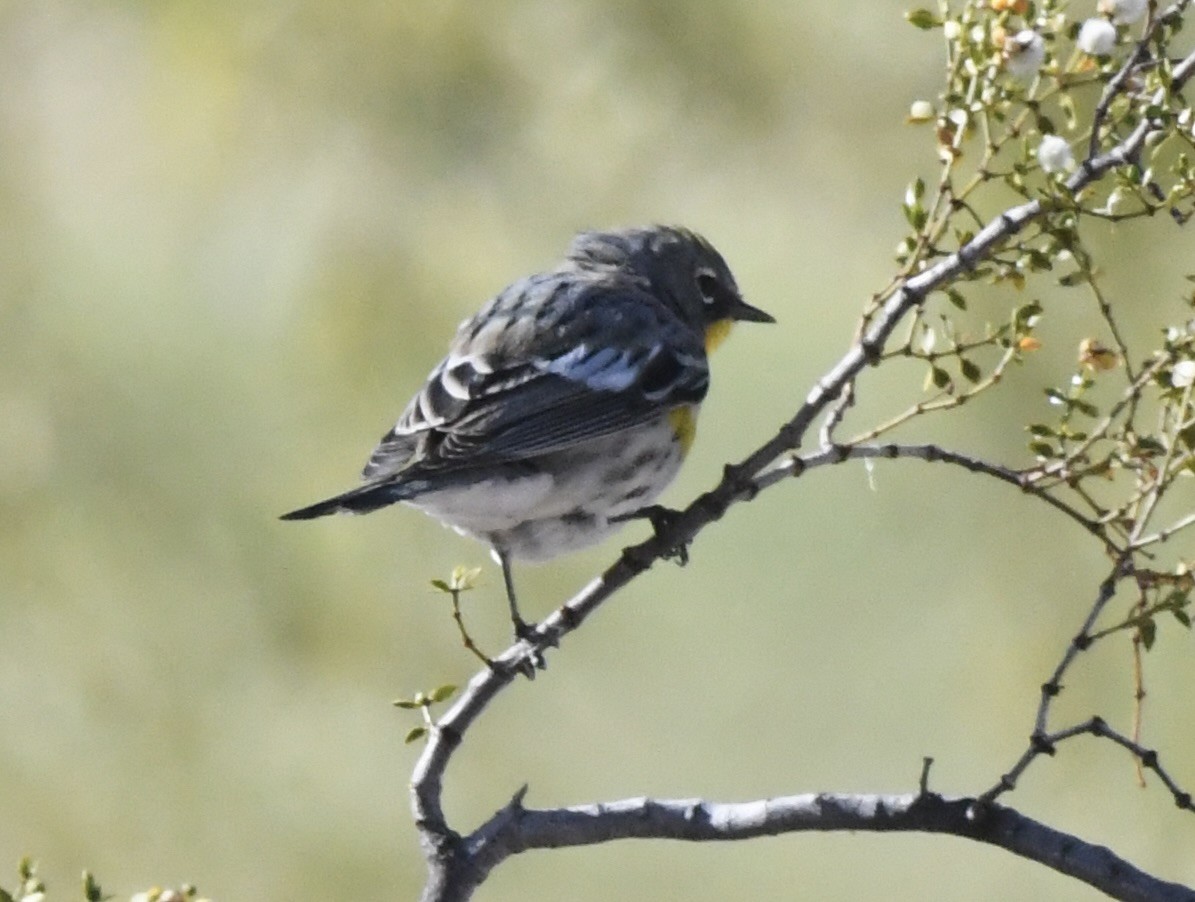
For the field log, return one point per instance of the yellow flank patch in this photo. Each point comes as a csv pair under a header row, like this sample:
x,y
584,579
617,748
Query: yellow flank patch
x,y
683,421
716,332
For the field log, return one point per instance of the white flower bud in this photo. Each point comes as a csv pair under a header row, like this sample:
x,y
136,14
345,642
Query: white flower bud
x,y
1097,37
1118,200
1054,154
1183,374
928,340
921,111
1024,53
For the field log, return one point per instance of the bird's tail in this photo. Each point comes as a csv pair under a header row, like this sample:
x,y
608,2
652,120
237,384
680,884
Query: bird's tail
x,y
355,501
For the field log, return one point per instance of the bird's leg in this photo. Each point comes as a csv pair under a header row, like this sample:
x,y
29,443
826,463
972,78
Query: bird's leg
x,y
522,630
661,518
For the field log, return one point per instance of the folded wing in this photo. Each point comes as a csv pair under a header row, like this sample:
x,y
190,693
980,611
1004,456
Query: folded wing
x,y
599,356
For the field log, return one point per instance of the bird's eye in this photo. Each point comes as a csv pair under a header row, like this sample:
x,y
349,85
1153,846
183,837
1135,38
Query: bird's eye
x,y
707,284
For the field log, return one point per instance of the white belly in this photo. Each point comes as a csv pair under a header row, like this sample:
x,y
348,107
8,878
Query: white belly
x,y
562,502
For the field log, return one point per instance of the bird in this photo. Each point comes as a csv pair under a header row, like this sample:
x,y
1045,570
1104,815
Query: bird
x,y
566,404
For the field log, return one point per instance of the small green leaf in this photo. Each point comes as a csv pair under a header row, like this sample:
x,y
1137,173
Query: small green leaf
x,y
1026,316
91,888
1176,599
1182,617
1040,429
442,692
1042,449
916,216
415,733
404,703
463,577
1038,261
923,19
442,586
956,298
1149,446
1148,631
970,370
939,377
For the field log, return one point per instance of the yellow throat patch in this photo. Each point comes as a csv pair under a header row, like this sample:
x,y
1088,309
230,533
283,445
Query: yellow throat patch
x,y
683,421
716,332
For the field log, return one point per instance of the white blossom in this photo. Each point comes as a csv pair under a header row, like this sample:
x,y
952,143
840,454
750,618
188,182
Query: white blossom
x,y
1054,154
928,340
1183,374
1118,201
921,111
1097,37
1024,53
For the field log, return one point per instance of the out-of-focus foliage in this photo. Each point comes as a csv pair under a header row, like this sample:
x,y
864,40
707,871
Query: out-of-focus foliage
x,y
31,888
235,237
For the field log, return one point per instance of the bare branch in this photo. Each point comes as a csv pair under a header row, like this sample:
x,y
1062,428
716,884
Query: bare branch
x,y
516,829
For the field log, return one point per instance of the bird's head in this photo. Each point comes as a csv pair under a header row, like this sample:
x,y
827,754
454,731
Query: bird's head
x,y
682,269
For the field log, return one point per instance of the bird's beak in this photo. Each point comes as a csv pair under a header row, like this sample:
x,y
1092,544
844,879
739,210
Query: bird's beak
x,y
742,311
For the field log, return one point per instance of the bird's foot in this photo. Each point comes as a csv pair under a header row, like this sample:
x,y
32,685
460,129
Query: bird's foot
x,y
661,519
524,632
534,659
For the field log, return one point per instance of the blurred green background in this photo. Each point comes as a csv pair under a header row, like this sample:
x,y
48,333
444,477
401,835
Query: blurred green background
x,y
237,235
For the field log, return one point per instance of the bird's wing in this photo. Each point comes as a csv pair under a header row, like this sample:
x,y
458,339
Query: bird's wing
x,y
550,363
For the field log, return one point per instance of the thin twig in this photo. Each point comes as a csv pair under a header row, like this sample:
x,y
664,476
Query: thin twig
x,y
1041,741
797,464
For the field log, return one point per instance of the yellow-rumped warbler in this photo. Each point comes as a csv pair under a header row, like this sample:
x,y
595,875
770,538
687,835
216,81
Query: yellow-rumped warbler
x,y
566,404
